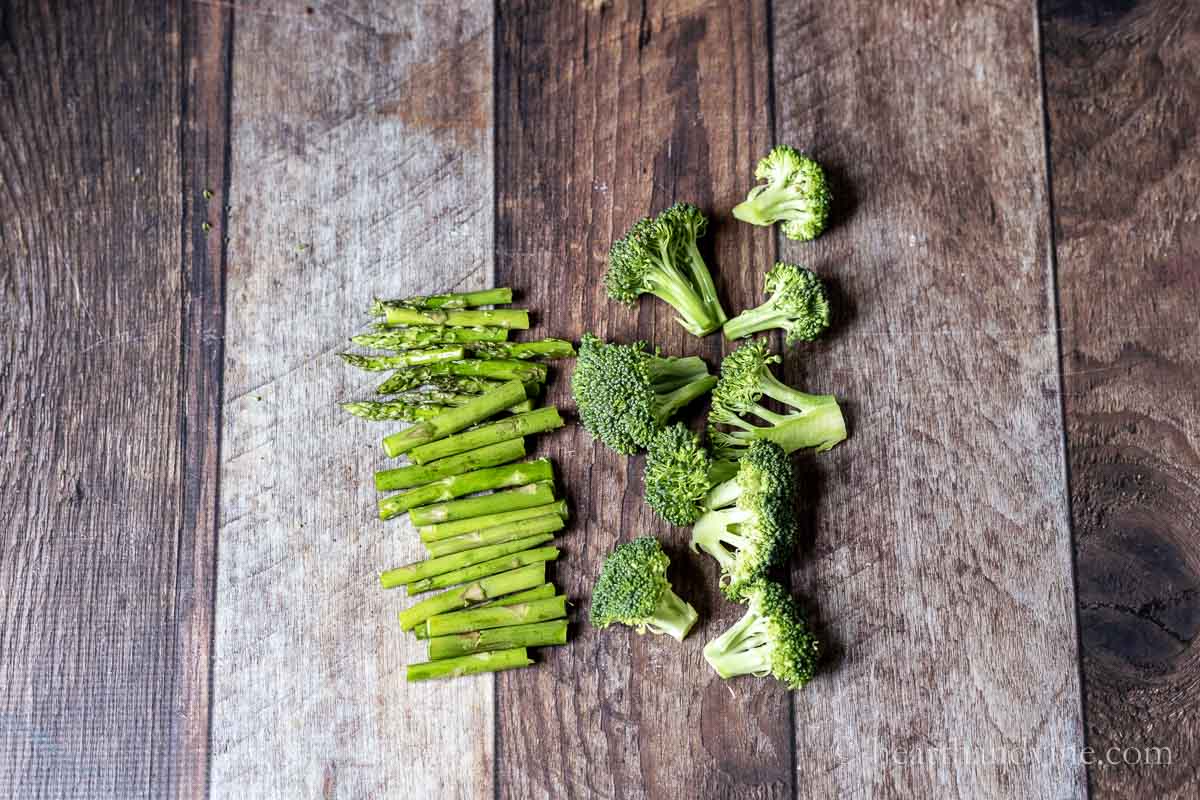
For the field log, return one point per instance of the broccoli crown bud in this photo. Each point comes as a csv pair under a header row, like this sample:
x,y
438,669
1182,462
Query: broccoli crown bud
x,y
740,386
772,638
633,590
677,475
795,192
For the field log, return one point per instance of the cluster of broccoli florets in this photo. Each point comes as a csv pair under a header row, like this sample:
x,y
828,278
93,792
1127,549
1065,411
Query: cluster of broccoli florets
x,y
736,491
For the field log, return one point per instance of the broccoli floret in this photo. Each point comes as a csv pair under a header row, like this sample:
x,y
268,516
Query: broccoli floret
x,y
795,192
811,420
659,256
748,525
798,304
633,590
679,474
625,394
772,638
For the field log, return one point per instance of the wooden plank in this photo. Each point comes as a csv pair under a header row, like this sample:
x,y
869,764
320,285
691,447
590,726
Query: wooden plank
x,y
940,555
361,164
606,112
1122,98
97,519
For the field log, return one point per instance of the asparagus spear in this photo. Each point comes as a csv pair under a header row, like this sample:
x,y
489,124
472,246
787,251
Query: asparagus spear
x,y
517,319
478,619
453,486
459,644
394,410
547,523
388,480
501,370
430,567
421,630
546,348
482,570
535,494
444,530
493,661
544,419
484,297
427,335
409,358
454,420
489,588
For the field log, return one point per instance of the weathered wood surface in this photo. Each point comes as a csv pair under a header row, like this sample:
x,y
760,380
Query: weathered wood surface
x,y
605,113
1123,96
361,163
940,559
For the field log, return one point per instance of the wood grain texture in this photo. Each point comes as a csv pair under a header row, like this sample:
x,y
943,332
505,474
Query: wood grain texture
x,y
1123,96
98,515
361,165
606,112
939,559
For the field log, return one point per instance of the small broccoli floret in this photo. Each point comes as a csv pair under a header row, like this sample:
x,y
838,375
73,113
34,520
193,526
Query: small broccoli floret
x,y
772,638
798,304
795,192
679,474
633,590
811,420
659,256
749,526
625,394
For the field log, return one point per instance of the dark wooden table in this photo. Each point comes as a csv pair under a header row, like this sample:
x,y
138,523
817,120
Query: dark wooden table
x,y
198,199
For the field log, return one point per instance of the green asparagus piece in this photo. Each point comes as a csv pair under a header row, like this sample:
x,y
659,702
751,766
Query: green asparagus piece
x,y
514,318
478,619
484,297
409,358
393,410
489,588
544,419
500,370
547,523
454,420
446,530
537,634
421,630
480,480
493,661
430,567
389,480
482,570
523,407
546,348
535,494
427,336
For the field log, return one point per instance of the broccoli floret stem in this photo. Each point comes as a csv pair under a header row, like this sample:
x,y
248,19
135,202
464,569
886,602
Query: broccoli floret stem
x,y
771,204
672,287
740,650
711,534
672,616
703,281
802,401
762,318
821,427
669,374
669,404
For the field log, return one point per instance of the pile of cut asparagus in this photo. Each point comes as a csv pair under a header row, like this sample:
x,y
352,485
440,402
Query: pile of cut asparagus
x,y
486,516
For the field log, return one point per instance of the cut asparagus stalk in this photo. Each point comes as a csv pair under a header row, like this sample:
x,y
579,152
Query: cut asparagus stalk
x,y
430,567
394,411
523,407
493,661
421,630
544,419
454,420
547,523
488,588
427,336
514,318
484,297
467,483
546,348
482,570
389,480
409,358
478,619
534,635
445,530
494,369
535,494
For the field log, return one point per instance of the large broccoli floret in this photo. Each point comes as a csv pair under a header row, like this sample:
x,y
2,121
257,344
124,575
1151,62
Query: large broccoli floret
x,y
811,420
772,638
659,256
626,394
749,526
795,192
679,474
798,304
633,590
